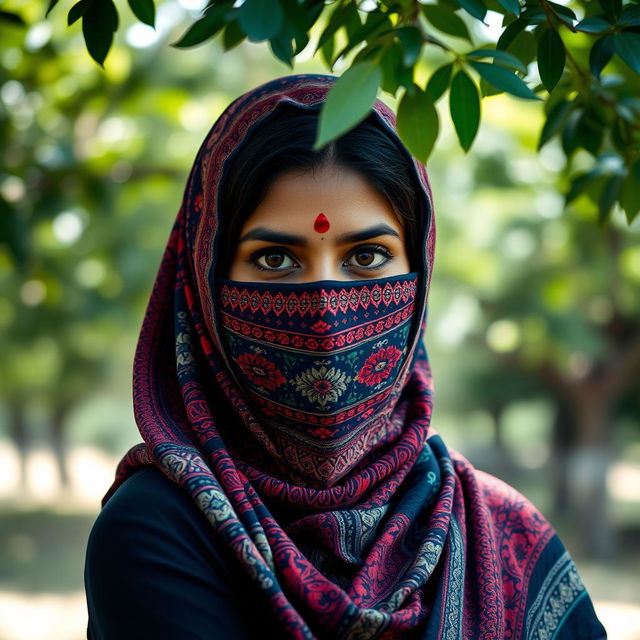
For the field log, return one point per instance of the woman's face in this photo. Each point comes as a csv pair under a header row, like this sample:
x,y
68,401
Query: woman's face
x,y
358,235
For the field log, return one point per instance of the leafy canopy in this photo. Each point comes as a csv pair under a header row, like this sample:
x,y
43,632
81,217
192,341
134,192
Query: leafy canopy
x,y
548,52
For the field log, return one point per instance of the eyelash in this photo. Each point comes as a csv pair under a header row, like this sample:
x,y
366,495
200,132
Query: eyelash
x,y
371,247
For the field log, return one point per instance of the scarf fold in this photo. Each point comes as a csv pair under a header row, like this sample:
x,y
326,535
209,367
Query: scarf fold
x,y
314,459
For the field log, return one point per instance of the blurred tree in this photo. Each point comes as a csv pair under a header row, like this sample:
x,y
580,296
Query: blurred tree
x,y
88,162
557,315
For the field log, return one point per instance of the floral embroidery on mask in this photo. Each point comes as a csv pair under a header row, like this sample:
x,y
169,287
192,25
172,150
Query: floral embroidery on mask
x,y
322,385
260,371
379,365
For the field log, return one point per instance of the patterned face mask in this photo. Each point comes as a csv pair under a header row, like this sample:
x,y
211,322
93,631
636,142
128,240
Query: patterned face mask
x,y
318,362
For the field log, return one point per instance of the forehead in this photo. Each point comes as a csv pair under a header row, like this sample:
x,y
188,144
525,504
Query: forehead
x,y
343,196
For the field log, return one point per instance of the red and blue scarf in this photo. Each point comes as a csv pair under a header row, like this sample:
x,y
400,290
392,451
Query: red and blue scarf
x,y
298,418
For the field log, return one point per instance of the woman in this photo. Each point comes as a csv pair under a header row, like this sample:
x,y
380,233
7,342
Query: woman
x,y
290,484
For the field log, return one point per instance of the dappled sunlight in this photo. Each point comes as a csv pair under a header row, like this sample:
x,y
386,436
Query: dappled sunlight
x,y
9,469
623,482
46,616
64,617
620,619
91,472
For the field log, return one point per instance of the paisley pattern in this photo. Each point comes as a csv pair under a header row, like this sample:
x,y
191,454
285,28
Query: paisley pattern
x,y
327,481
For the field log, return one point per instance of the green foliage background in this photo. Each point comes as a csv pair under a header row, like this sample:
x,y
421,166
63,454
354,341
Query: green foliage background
x,y
534,324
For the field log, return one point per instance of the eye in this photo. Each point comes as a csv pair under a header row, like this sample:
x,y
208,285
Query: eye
x,y
369,257
272,259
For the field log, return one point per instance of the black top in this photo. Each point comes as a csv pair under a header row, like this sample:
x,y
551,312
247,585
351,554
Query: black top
x,y
156,568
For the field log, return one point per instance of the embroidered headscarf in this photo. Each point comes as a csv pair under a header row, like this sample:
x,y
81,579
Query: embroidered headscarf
x,y
297,417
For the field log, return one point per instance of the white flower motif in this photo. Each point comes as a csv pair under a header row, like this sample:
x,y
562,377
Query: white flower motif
x,y
322,385
184,356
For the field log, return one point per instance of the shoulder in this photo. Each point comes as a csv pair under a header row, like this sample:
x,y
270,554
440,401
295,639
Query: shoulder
x,y
155,567
501,497
146,491
511,512
547,595
149,513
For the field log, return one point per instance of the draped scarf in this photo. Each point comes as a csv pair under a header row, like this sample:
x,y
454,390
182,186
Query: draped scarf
x,y
408,540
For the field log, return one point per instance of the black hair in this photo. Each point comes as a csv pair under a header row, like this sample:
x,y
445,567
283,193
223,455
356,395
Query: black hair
x,y
283,142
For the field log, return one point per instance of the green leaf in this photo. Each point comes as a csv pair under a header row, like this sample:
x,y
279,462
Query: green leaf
x,y
630,193
504,79
630,107
299,18
294,28
282,47
301,40
579,185
501,57
260,19
372,51
336,21
352,21
619,134
445,20
589,132
205,27
326,51
52,3
525,47
627,46
561,10
568,138
418,123
600,54
12,18
390,64
512,6
439,81
411,40
593,25
510,32
476,8
232,35
77,11
551,58
348,102
630,16
13,234
610,194
99,23
611,7
487,89
554,122
534,15
375,22
144,10
464,105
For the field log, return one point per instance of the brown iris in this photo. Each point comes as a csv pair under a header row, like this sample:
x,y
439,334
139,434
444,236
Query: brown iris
x,y
365,258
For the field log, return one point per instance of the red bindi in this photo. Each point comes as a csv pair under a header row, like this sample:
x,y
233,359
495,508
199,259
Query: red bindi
x,y
321,225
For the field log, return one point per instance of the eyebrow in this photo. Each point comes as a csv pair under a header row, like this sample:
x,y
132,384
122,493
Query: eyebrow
x,y
281,237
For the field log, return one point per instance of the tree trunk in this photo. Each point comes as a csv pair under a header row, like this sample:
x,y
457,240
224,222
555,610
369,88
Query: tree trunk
x,y
18,432
562,437
587,466
496,412
58,424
